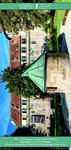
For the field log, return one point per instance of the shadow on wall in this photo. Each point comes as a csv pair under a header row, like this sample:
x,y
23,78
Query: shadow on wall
x,y
62,43
45,45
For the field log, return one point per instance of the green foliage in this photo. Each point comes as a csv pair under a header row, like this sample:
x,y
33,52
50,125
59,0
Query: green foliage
x,y
11,1
28,1
46,25
54,41
19,85
28,131
14,20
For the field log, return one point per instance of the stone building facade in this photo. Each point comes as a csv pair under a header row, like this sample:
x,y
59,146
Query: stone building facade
x,y
40,111
57,73
37,43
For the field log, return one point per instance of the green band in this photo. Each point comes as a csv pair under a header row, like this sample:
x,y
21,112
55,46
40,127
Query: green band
x,y
35,141
35,6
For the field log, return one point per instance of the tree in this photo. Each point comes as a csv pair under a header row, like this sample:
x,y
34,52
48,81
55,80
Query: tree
x,y
28,1
47,25
19,85
14,20
28,131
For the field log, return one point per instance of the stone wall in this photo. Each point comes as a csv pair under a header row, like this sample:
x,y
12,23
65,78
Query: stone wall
x,y
41,107
58,72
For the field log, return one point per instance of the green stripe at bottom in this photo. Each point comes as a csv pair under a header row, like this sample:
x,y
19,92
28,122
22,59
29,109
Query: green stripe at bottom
x,y
35,141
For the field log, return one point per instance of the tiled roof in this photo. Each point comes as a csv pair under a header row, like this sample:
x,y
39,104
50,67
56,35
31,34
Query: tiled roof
x,y
14,63
15,115
15,99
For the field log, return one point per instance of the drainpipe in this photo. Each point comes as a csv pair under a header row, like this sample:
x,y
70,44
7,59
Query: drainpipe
x,y
28,47
28,63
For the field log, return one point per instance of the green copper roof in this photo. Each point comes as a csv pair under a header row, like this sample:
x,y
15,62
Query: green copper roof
x,y
37,72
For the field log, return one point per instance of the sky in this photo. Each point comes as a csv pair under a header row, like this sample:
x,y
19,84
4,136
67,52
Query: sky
x,y
6,127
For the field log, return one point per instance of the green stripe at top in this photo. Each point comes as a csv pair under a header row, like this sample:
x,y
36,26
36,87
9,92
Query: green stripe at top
x,y
35,6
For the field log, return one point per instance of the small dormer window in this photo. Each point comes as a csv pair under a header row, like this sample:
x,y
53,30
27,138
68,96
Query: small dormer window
x,y
17,107
17,58
12,58
12,105
14,41
17,47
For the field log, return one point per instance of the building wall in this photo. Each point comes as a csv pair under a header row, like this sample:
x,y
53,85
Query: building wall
x,y
23,56
41,107
58,72
23,49
33,49
23,111
37,40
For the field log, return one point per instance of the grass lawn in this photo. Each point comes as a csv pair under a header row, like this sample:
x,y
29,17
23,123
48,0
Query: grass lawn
x,y
57,124
58,18
62,0
58,0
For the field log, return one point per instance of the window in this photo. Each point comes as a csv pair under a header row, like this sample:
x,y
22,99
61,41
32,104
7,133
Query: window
x,y
17,58
17,107
32,111
14,41
24,110
12,58
23,58
17,47
33,42
23,49
23,118
23,40
12,105
24,102
51,88
38,118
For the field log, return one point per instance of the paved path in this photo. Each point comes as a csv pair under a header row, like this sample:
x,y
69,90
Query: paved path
x,y
68,32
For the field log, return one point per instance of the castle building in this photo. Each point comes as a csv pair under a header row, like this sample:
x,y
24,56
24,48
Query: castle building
x,y
21,48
